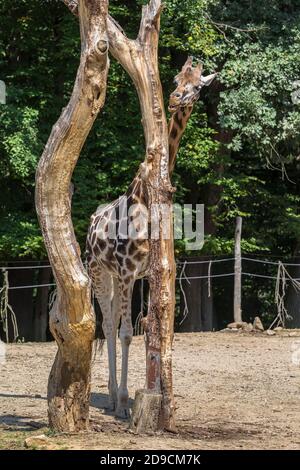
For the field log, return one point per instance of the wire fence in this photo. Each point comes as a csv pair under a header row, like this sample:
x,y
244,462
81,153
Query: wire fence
x,y
282,278
180,263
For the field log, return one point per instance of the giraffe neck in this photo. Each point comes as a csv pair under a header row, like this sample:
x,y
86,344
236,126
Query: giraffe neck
x,y
137,191
177,127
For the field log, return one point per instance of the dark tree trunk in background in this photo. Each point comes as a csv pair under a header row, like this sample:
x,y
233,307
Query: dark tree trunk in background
x,y
191,300
237,296
200,315
293,297
212,192
21,301
201,309
41,305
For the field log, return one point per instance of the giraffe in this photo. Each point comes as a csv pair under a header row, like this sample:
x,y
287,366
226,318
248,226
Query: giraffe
x,y
115,260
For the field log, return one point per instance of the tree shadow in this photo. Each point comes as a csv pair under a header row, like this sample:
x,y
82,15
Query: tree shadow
x,y
12,423
14,395
100,401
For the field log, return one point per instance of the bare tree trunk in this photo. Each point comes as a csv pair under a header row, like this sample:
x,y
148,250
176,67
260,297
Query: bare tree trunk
x,y
72,320
293,296
140,59
196,299
237,310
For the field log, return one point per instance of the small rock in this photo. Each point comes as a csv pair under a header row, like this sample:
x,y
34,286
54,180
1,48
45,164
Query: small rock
x,y
37,395
248,327
293,334
277,410
278,328
257,324
270,332
37,441
229,330
237,325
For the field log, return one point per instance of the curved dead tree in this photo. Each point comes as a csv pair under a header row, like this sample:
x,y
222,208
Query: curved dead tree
x,y
72,319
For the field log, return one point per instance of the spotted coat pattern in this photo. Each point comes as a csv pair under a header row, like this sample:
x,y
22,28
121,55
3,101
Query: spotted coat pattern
x,y
116,261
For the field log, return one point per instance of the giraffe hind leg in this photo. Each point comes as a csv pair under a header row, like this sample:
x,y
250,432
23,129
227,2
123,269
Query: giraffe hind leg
x,y
126,332
104,290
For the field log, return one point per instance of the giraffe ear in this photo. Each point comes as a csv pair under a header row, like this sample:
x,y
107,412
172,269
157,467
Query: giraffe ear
x,y
176,79
189,61
200,67
206,81
187,68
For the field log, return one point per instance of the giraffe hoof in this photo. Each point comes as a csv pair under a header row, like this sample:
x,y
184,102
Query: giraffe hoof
x,y
123,412
112,405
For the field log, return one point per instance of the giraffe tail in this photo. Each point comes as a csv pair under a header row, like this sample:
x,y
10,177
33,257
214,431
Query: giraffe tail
x,y
97,348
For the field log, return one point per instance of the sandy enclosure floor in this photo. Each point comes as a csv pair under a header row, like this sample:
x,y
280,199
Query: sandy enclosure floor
x,y
233,391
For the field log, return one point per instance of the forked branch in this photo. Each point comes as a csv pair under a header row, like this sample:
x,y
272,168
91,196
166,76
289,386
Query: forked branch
x,y
139,58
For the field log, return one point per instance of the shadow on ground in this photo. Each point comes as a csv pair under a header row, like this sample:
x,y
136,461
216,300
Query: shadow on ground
x,y
100,401
20,423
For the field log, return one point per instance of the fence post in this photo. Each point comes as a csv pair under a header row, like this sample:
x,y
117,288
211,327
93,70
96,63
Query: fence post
x,y
237,311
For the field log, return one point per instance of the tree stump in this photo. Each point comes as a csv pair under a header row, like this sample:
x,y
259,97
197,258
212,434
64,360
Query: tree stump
x,y
146,411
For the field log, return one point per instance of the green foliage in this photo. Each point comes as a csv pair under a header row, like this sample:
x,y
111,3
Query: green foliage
x,y
20,237
241,142
19,145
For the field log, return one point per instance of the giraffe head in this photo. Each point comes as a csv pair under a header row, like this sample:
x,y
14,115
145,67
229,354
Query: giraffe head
x,y
189,84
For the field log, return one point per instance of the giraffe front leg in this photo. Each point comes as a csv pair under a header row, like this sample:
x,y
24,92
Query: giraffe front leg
x,y
126,332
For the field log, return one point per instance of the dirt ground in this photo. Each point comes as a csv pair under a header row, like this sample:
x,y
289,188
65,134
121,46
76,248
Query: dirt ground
x,y
233,391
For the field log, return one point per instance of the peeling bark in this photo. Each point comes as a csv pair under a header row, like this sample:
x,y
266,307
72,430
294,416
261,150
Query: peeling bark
x,y
139,58
72,320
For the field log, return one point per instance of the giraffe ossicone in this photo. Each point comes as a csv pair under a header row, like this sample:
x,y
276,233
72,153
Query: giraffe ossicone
x,y
115,261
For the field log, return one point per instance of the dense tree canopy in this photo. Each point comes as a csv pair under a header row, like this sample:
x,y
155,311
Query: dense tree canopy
x,y
240,154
